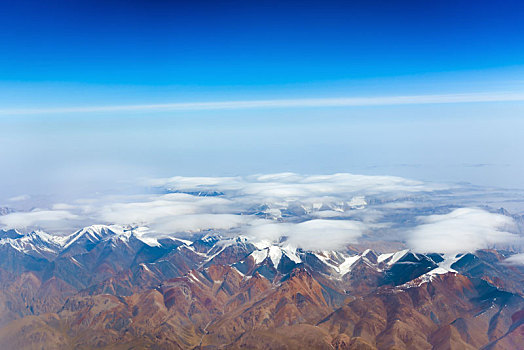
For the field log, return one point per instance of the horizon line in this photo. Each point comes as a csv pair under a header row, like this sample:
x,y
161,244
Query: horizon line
x,y
483,97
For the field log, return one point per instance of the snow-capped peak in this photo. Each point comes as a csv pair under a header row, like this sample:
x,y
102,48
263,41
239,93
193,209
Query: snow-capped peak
x,y
275,253
36,242
337,261
44,238
393,257
93,234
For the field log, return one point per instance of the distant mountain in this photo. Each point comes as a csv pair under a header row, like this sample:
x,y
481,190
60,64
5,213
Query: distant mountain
x,y
105,287
6,210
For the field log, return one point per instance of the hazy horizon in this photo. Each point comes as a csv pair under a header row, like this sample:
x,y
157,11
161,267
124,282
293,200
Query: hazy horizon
x,y
97,95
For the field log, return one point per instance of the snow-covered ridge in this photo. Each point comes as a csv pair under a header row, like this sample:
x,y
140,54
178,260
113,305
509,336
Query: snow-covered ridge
x,y
47,244
337,263
275,254
95,233
343,263
51,245
35,243
393,257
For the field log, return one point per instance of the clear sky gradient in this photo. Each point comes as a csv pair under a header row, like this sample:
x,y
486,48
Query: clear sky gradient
x,y
63,60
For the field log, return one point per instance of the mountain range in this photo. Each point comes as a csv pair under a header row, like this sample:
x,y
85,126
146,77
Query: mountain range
x,y
106,287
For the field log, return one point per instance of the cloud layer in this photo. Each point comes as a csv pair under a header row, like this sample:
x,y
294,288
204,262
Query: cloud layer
x,y
50,219
462,230
517,259
319,212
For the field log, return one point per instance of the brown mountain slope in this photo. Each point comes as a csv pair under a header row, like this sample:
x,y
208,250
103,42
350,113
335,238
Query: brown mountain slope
x,y
117,293
449,311
220,308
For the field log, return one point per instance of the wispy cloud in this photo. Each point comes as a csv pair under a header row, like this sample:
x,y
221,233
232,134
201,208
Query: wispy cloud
x,y
281,103
19,198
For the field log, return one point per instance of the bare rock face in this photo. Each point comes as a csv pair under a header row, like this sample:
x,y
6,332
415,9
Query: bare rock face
x,y
102,289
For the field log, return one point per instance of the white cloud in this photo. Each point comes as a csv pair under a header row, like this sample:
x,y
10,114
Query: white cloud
x,y
517,259
20,198
198,222
462,230
160,207
325,234
49,219
284,103
326,214
311,212
312,235
288,186
399,205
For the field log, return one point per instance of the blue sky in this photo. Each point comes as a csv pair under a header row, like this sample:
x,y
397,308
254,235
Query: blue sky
x,y
246,43
88,54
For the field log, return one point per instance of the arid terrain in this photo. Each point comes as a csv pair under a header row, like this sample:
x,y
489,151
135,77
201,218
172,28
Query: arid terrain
x,y
103,288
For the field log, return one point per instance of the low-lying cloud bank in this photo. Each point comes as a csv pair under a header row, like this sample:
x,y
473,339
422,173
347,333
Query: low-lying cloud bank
x,y
462,230
517,259
312,234
312,212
